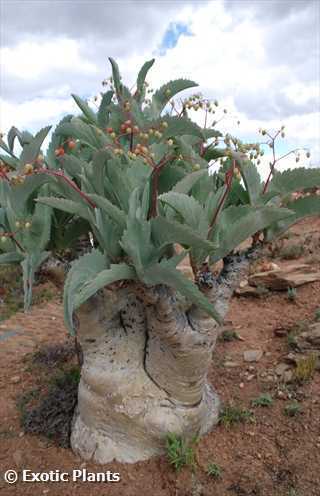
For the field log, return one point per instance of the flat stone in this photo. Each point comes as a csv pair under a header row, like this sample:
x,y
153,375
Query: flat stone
x,y
252,355
281,368
15,379
231,364
287,376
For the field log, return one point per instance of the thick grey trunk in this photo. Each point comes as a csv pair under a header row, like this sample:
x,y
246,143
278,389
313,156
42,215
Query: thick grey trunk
x,y
144,372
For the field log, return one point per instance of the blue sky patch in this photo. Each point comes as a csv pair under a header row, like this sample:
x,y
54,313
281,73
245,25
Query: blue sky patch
x,y
172,35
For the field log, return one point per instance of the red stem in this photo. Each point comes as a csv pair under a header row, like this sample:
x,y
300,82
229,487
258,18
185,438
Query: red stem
x,y
228,183
70,183
154,185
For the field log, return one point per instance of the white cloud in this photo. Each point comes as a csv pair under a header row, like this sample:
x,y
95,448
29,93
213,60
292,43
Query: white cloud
x,y
33,114
31,60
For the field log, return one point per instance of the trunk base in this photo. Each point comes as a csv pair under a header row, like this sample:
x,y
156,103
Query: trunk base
x,y
137,429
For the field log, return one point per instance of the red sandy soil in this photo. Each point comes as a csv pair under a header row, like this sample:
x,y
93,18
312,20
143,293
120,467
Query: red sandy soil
x,y
274,455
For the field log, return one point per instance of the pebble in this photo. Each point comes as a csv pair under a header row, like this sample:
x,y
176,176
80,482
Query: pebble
x,y
252,355
15,379
288,376
281,368
241,385
250,377
231,364
281,395
280,332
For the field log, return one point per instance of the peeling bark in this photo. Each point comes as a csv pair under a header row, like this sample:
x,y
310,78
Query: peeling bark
x,y
144,373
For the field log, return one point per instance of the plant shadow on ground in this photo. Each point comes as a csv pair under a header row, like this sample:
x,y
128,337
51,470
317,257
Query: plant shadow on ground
x,y
48,409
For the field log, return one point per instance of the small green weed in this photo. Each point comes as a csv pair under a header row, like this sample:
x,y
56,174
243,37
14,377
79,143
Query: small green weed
x,y
292,294
317,314
234,414
293,409
264,400
214,470
180,453
229,335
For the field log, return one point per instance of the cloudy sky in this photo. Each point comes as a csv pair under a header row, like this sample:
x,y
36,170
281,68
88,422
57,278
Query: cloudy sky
x,y
259,58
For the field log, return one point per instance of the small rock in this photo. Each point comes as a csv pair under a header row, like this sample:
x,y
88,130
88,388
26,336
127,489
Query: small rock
x,y
250,377
291,358
243,283
281,368
281,395
269,378
241,385
288,376
280,332
15,379
231,364
252,355
251,368
21,434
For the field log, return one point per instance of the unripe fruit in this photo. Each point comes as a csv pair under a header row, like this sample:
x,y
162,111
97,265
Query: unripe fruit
x,y
59,151
3,239
71,144
164,124
170,142
113,135
27,225
28,169
128,130
168,92
196,167
18,224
